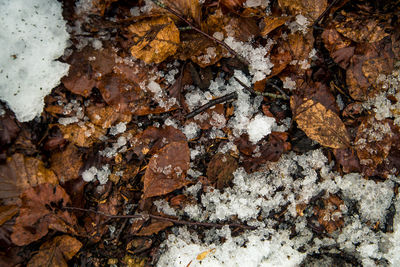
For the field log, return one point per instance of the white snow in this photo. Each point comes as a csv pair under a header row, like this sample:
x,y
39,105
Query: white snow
x,y
32,36
101,174
259,127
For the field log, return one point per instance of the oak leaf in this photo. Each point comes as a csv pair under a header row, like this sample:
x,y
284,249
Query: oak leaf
x,y
167,169
321,124
41,211
56,252
155,39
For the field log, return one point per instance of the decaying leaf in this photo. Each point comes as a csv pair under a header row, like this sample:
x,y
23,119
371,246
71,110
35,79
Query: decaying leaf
x,y
330,215
321,124
360,28
154,227
56,252
155,39
82,135
271,23
166,171
310,8
7,212
41,211
220,169
67,163
373,146
20,173
105,117
190,9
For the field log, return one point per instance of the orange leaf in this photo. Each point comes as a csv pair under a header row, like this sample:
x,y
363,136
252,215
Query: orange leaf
x,y
321,124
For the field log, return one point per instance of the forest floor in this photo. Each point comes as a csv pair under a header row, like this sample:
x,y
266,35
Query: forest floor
x,y
211,133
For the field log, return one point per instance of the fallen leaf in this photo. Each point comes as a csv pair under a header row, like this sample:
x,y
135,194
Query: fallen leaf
x,y
201,256
155,39
189,9
271,23
153,139
56,252
321,124
154,227
67,163
310,8
220,169
7,212
106,116
20,173
330,215
166,170
41,211
361,29
82,135
373,146
8,130
232,4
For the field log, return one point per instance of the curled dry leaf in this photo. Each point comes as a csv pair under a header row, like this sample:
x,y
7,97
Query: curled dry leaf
x,y
321,124
166,171
41,211
56,252
20,173
155,39
310,8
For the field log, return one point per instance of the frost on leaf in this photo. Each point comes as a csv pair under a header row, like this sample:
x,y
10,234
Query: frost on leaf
x,y
56,252
166,171
40,212
154,39
321,124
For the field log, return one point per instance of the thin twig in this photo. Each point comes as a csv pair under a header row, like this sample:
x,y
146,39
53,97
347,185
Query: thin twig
x,y
233,52
157,217
254,92
211,103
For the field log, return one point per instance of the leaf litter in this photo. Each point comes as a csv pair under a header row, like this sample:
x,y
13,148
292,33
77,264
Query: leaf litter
x,y
116,168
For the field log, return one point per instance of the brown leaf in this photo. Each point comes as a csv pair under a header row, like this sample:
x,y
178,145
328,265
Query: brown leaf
x,y
107,116
56,252
21,173
67,163
309,8
348,159
166,171
189,9
82,135
373,146
40,211
153,139
360,28
321,124
154,227
7,212
271,23
330,216
220,169
8,130
155,39
232,4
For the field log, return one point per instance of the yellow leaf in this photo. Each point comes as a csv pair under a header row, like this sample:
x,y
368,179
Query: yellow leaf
x,y
322,125
155,39
204,254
